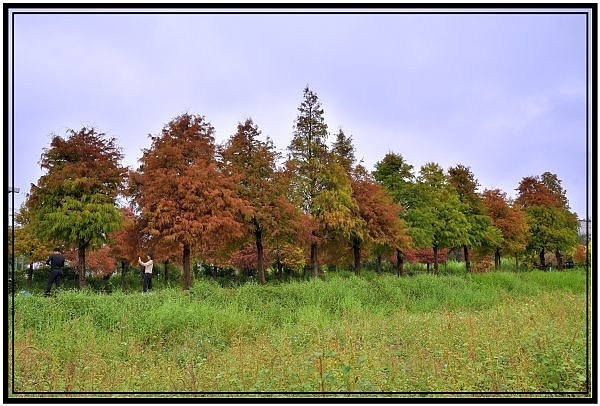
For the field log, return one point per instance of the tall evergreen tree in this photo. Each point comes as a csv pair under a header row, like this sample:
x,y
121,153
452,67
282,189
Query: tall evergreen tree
x,y
308,155
343,151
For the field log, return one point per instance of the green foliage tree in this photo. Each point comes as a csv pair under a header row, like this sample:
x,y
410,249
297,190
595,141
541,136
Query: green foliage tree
x,y
379,222
552,229
335,208
27,243
290,240
482,233
552,225
397,177
343,151
567,219
343,155
436,216
74,202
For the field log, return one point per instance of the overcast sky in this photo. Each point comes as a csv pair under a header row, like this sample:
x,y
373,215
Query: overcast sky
x,y
502,93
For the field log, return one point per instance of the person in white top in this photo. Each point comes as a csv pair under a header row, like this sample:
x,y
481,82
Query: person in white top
x,y
148,265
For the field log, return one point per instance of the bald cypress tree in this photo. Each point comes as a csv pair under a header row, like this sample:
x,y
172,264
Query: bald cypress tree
x,y
481,229
261,186
184,197
436,218
308,156
343,151
553,226
74,202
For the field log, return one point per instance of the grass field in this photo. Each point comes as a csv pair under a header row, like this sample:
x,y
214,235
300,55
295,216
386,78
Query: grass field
x,y
493,334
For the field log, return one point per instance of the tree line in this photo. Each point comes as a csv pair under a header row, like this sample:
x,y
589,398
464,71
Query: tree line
x,y
244,205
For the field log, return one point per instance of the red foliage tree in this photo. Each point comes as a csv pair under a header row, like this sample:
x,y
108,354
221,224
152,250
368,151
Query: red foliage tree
x,y
99,262
426,255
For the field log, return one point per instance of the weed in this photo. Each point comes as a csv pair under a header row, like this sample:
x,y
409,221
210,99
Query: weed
x,y
490,333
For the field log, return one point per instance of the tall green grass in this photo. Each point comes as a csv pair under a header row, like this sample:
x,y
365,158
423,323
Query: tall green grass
x,y
485,333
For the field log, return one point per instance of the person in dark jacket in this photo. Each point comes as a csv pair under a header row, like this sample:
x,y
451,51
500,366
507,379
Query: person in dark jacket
x,y
57,262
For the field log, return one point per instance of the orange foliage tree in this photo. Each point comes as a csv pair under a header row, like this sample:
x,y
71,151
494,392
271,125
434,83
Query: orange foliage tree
x,y
383,225
254,163
125,241
184,196
511,221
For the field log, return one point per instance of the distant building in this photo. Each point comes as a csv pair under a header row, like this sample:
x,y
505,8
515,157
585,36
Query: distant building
x,y
585,228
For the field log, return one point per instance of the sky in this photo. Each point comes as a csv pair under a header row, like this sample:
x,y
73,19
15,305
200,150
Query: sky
x,y
504,93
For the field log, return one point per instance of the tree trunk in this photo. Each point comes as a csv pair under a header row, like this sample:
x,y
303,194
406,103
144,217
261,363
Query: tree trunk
x,y
543,258
356,250
123,273
81,281
187,276
260,262
497,259
435,259
166,263
466,255
399,263
559,259
313,259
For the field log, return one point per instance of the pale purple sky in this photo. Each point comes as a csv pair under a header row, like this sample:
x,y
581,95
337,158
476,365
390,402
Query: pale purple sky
x,y
501,92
